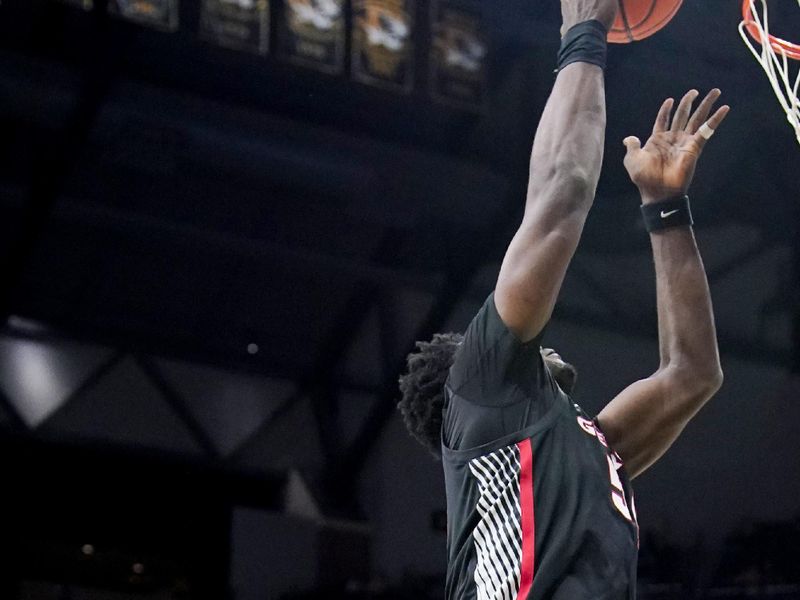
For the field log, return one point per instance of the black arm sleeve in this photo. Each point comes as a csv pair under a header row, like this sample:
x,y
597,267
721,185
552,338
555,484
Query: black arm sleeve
x,y
497,385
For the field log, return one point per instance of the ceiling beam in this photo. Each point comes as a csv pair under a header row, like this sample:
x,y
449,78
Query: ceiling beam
x,y
91,380
587,277
18,424
739,260
320,382
187,352
57,161
72,213
462,270
178,406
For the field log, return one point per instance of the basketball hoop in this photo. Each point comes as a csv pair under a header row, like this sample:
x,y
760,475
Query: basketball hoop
x,y
773,56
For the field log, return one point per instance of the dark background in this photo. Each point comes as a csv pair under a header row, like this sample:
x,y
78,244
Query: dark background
x,y
213,264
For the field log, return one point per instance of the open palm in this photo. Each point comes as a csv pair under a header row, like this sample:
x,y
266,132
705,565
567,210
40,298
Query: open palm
x,y
664,167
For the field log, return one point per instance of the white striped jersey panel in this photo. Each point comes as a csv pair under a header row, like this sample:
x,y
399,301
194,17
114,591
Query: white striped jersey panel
x,y
498,536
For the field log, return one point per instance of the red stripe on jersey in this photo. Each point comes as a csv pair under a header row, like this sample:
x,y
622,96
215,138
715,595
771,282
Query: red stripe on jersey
x,y
527,517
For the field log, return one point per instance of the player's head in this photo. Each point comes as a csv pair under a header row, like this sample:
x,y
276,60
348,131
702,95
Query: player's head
x,y
423,388
563,372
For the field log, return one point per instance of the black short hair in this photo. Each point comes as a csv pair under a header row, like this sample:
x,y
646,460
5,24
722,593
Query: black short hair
x,y
423,388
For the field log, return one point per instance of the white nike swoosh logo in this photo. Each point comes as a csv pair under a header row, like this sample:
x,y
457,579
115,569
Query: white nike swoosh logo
x,y
664,215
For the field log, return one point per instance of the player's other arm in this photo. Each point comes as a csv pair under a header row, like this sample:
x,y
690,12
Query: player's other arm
x,y
643,421
564,169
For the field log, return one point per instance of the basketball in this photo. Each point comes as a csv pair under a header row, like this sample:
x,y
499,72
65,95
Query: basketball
x,y
638,19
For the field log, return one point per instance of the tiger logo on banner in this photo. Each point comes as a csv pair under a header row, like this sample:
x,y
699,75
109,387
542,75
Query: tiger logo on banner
x,y
238,24
312,33
382,51
460,49
161,14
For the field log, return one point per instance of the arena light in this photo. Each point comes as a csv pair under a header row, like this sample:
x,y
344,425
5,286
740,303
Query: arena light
x,y
26,326
35,386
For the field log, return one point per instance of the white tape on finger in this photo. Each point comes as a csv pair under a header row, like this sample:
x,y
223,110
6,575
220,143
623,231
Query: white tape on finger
x,y
706,131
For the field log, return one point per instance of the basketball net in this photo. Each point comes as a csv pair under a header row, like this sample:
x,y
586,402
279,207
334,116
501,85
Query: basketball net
x,y
773,56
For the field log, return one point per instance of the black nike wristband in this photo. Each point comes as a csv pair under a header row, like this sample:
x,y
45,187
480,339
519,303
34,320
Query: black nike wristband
x,y
584,42
674,212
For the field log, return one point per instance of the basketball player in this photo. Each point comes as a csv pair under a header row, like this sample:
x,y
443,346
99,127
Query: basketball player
x,y
539,503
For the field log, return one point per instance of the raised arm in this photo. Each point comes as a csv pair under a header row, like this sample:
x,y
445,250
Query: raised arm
x,y
564,169
645,419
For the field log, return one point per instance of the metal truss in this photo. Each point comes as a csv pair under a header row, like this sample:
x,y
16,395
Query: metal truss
x,y
57,162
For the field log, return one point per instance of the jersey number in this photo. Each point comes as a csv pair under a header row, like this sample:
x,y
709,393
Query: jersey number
x,y
617,491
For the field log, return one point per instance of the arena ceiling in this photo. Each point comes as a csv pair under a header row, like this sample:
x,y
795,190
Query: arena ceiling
x,y
249,248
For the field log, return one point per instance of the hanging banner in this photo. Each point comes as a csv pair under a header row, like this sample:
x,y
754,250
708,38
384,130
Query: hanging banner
x,y
382,52
84,4
312,33
161,14
238,24
458,56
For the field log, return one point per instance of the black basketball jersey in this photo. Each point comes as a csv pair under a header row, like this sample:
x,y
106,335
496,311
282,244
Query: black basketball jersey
x,y
538,505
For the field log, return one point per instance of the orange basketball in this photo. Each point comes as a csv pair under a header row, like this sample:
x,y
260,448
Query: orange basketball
x,y
638,19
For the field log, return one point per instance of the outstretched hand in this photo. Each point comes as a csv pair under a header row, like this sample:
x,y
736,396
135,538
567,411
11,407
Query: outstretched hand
x,y
664,167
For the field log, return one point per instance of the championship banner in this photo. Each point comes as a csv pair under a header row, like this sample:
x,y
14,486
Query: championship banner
x,y
459,55
312,33
161,14
237,24
84,4
383,50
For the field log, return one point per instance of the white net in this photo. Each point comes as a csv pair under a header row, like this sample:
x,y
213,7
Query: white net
x,y
774,61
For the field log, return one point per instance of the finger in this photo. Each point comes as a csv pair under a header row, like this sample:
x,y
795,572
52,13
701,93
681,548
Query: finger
x,y
632,143
714,122
633,146
718,117
701,114
684,108
662,120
